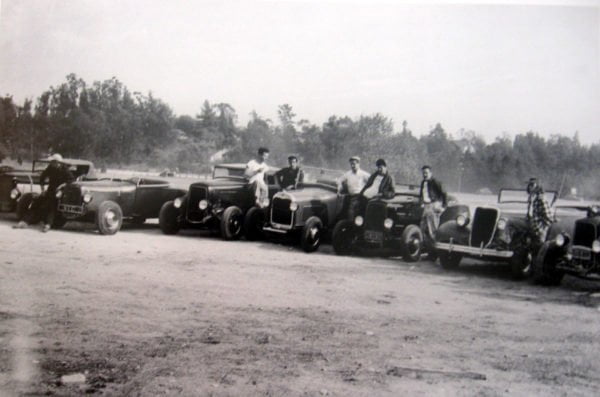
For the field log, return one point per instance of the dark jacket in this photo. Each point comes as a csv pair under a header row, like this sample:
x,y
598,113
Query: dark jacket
x,y
386,187
435,190
55,176
289,177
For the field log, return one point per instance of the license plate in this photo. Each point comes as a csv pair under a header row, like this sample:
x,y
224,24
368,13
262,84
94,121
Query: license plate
x,y
581,253
373,236
73,209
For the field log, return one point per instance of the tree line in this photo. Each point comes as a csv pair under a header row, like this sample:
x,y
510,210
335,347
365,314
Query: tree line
x,y
107,123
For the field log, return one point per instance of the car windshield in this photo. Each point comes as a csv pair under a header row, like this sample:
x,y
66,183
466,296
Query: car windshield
x,y
226,172
521,196
406,189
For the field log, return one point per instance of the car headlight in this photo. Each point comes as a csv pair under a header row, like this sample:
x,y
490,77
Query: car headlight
x,y
59,194
293,206
203,204
177,203
501,224
359,220
15,193
559,240
87,198
596,246
388,223
462,220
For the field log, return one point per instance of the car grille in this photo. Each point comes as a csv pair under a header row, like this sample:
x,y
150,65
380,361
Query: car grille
x,y
585,234
280,211
71,196
195,214
375,215
484,225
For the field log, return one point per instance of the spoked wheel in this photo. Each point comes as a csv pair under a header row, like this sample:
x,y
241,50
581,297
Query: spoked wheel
x,y
109,218
311,234
412,240
231,223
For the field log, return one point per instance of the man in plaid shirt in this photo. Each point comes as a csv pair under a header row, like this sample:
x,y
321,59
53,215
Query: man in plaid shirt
x,y
538,210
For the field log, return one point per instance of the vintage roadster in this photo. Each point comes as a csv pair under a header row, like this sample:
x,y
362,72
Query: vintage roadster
x,y
107,202
18,188
218,204
388,226
577,254
307,213
499,232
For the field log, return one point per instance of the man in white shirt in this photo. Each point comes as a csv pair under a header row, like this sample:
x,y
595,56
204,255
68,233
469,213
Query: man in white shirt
x,y
255,172
352,183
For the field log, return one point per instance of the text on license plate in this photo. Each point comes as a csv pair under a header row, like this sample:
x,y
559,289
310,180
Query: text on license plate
x,y
373,236
580,253
75,209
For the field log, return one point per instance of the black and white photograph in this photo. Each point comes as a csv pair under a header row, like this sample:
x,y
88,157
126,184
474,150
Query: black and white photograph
x,y
299,198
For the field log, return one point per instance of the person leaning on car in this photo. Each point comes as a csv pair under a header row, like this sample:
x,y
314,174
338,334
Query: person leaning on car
x,y
255,172
538,211
433,199
352,183
55,175
290,177
380,183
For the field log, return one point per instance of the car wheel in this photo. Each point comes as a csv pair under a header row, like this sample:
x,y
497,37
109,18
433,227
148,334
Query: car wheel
x,y
167,218
109,218
311,235
59,221
344,237
231,223
449,260
521,264
412,240
253,224
544,266
25,209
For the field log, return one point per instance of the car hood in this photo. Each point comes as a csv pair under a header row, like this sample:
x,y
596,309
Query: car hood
x,y
308,194
221,183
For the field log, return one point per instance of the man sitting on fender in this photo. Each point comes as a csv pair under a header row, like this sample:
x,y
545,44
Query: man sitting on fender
x,y
380,183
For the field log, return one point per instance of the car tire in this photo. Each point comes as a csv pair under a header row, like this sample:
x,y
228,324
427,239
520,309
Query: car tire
x,y
312,234
412,242
24,209
344,237
544,267
167,218
232,223
109,218
59,221
253,224
521,264
449,260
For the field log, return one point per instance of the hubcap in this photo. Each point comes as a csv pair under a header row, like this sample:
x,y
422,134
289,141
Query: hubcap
x,y
111,218
414,245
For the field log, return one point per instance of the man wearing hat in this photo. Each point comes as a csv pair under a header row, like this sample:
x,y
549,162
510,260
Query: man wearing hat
x,y
538,211
380,183
55,175
290,177
352,183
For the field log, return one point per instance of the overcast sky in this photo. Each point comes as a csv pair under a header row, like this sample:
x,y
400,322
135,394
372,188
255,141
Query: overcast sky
x,y
483,67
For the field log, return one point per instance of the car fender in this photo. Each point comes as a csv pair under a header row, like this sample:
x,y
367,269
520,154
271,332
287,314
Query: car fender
x,y
451,230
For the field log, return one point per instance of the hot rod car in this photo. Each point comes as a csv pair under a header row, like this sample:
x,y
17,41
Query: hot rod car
x,y
498,232
219,203
389,226
578,255
18,188
308,212
106,202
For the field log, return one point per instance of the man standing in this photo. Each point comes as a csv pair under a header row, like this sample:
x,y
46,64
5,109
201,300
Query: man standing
x,y
290,177
55,175
433,199
538,211
380,183
255,172
352,183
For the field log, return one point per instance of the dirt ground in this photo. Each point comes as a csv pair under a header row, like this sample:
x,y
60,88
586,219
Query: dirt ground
x,y
141,313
